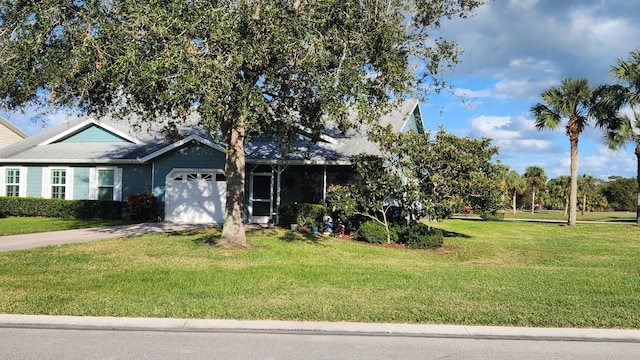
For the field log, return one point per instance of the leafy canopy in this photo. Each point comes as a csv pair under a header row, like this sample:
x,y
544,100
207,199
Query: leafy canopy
x,y
240,65
259,59
421,176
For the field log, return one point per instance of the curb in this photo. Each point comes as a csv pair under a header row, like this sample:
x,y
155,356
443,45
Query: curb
x,y
317,328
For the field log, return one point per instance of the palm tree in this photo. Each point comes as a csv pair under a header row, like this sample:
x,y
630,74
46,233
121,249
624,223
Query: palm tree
x,y
536,179
587,185
577,101
514,184
628,129
560,187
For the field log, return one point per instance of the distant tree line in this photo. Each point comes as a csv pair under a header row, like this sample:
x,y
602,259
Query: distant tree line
x,y
532,191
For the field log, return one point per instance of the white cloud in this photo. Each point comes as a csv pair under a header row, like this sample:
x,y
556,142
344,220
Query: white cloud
x,y
472,94
511,135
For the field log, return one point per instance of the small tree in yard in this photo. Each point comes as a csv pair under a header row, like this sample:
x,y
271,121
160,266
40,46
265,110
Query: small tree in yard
x,y
240,65
420,176
375,195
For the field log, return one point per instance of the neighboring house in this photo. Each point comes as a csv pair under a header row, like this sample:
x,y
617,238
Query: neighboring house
x,y
9,134
108,159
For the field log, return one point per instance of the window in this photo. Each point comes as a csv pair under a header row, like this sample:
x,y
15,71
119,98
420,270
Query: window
x,y
106,184
58,183
12,181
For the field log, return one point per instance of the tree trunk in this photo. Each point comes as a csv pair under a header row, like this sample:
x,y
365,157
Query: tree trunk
x,y
513,201
638,179
233,234
573,189
566,205
533,200
584,202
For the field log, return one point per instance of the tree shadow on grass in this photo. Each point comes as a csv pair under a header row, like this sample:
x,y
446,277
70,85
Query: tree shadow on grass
x,y
301,236
208,237
453,234
211,237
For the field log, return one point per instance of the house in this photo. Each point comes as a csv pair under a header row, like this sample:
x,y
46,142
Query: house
x,y
108,159
9,134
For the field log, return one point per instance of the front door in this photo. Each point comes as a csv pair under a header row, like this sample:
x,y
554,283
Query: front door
x,y
261,207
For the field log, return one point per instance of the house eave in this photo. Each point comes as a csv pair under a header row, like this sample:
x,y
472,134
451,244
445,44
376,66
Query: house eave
x,y
91,121
180,143
299,162
70,161
13,128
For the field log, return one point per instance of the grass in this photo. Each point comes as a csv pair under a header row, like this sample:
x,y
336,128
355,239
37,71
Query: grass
x,y
488,273
609,216
25,225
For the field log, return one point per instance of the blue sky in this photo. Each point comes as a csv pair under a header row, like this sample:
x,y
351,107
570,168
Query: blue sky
x,y
513,49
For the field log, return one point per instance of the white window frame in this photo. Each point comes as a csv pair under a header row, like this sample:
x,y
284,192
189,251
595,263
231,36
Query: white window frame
x,y
47,185
22,180
94,187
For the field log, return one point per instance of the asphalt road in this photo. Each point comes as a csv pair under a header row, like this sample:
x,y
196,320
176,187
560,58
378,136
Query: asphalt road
x,y
70,344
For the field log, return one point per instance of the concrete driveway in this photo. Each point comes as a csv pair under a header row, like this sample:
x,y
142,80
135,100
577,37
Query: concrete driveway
x,y
28,241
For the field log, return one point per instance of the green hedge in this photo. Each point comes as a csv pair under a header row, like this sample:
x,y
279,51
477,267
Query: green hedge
x,y
79,209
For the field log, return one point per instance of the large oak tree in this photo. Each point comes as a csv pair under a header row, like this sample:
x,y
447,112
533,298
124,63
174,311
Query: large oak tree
x,y
239,64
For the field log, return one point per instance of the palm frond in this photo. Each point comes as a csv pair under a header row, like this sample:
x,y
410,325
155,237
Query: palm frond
x,y
544,117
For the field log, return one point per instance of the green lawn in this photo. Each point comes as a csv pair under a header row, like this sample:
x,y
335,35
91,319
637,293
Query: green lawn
x,y
26,225
488,273
609,216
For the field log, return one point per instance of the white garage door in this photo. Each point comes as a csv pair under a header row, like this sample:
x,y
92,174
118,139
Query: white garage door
x,y
195,197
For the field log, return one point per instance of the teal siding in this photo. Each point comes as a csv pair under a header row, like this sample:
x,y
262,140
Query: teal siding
x,y
80,183
34,181
136,179
187,157
94,134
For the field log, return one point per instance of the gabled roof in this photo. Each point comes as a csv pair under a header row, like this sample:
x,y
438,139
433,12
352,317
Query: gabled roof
x,y
125,141
87,124
128,142
180,143
343,147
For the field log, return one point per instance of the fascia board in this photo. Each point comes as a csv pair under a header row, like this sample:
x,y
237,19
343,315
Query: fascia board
x,y
299,162
408,117
180,143
69,161
13,128
90,121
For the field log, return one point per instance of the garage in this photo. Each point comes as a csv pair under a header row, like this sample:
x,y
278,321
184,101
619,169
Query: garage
x,y
195,196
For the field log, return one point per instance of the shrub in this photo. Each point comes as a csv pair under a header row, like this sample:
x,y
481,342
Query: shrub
x,y
305,215
374,232
421,236
80,209
142,206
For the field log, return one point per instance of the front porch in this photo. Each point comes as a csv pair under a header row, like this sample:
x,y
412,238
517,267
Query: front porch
x,y
271,185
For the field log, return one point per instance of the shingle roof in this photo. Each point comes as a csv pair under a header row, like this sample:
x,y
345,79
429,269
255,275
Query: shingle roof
x,y
151,140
